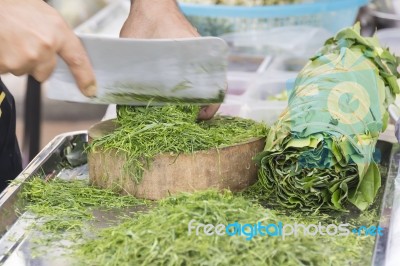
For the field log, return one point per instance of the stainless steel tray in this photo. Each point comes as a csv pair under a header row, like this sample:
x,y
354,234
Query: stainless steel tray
x,y
15,240
15,232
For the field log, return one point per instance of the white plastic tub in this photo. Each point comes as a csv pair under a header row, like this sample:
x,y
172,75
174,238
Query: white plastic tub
x,y
258,105
255,102
390,38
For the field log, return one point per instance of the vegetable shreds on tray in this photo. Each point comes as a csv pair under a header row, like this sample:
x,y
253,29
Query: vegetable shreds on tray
x,y
320,153
145,132
65,206
162,237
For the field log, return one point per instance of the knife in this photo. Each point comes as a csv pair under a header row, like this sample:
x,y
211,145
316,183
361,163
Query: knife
x,y
148,72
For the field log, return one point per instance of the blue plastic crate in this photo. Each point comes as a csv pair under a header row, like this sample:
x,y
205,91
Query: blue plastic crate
x,y
215,20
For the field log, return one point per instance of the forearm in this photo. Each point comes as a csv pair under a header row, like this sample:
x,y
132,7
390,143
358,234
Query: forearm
x,y
150,19
154,7
155,2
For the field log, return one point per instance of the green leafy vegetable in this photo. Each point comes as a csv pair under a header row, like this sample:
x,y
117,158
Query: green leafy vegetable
x,y
319,154
160,237
68,205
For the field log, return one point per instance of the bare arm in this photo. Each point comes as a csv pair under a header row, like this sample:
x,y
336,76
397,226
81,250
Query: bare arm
x,y
32,34
156,19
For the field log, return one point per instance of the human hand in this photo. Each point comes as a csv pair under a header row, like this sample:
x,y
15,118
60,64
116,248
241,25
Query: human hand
x,y
161,19
31,35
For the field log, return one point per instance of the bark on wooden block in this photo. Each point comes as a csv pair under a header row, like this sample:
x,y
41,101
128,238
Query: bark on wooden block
x,y
225,168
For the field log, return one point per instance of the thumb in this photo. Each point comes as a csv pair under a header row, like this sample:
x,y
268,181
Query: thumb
x,y
207,112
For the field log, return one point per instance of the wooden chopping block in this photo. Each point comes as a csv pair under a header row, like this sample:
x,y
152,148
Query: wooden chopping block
x,y
225,168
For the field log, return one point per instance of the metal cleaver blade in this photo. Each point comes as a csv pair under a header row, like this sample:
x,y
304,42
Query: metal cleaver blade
x,y
148,72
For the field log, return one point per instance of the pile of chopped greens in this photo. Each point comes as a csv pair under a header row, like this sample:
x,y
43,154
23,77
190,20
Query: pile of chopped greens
x,y
320,153
145,132
65,206
160,236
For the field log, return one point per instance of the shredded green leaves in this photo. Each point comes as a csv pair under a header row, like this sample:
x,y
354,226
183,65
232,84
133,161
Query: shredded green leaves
x,y
65,206
160,237
145,132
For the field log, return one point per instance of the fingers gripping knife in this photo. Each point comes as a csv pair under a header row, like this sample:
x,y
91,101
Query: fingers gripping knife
x,y
143,72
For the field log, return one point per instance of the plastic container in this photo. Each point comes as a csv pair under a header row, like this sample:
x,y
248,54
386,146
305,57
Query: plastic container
x,y
216,20
108,21
294,41
238,82
232,105
255,101
267,112
258,103
245,63
285,49
390,38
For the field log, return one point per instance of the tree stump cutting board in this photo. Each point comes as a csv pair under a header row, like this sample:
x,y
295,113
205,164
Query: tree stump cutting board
x,y
224,168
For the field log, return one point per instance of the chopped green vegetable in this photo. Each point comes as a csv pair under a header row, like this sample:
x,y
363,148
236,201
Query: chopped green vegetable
x,y
68,205
130,93
319,154
161,237
144,133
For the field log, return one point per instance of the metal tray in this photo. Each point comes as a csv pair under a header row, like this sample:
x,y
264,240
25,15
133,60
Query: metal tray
x,y
15,248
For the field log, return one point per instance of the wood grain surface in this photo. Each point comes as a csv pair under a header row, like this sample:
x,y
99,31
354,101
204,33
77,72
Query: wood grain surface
x,y
225,168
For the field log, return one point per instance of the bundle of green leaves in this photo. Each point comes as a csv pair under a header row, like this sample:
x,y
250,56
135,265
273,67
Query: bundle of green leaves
x,y
319,154
145,132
